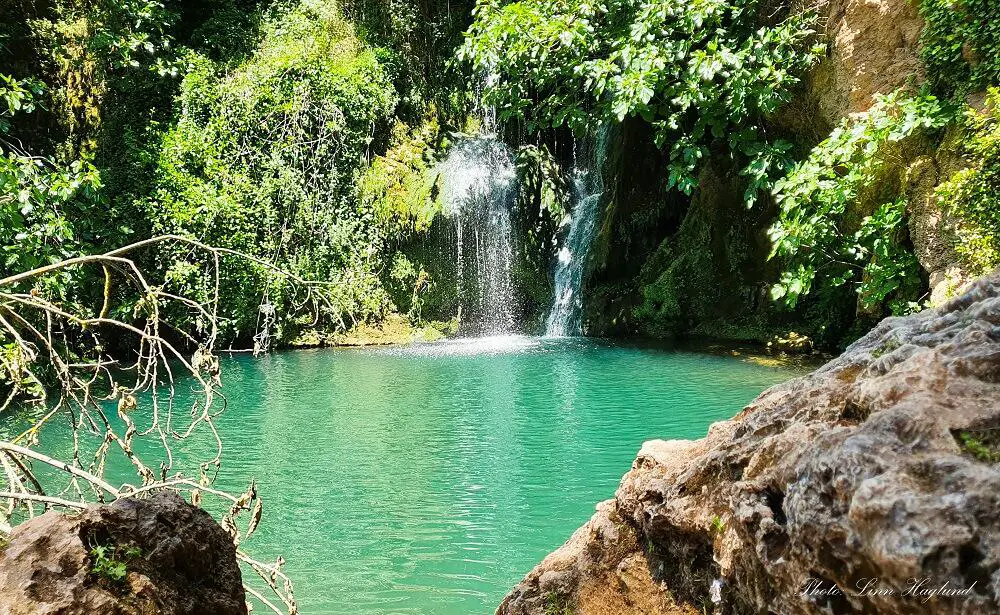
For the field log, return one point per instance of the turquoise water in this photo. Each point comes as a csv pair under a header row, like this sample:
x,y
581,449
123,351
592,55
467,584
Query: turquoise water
x,y
430,479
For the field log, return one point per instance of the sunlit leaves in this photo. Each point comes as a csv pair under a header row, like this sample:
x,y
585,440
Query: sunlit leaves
x,y
812,232
972,195
697,70
35,193
130,33
264,157
959,45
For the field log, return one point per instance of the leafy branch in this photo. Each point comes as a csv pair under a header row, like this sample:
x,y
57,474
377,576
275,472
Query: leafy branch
x,y
812,233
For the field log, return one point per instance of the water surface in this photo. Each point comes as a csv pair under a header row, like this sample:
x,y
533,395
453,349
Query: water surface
x,y
430,479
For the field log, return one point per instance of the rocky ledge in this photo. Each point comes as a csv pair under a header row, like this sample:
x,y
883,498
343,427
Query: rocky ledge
x,y
869,486
158,556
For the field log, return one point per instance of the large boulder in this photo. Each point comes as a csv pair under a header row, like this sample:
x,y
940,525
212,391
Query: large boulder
x,y
156,556
869,486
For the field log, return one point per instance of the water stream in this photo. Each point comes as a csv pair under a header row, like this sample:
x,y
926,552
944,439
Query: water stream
x,y
588,188
478,188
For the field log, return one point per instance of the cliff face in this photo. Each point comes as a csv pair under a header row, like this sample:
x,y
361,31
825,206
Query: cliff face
x,y
665,264
159,556
864,487
873,48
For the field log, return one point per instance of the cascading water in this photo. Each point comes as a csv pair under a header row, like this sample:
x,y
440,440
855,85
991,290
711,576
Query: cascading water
x,y
588,187
478,188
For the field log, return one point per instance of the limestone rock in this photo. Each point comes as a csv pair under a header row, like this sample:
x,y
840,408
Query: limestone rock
x,y
180,562
844,491
873,48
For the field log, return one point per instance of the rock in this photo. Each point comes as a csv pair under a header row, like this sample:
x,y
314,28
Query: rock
x,y
874,48
931,229
847,490
178,561
792,342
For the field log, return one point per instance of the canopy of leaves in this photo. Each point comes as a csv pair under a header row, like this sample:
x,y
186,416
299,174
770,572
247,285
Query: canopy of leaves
x,y
265,154
697,70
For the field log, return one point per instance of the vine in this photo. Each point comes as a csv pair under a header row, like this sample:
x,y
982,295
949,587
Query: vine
x,y
959,44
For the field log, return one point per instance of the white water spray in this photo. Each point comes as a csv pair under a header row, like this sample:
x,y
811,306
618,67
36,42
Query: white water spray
x,y
588,187
478,188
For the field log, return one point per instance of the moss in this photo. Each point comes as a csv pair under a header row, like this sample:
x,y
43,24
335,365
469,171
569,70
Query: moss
x,y
684,291
556,604
983,445
972,195
888,346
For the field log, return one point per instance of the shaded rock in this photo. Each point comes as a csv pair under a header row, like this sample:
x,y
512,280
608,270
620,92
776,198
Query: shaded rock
x,y
850,490
178,561
602,570
931,229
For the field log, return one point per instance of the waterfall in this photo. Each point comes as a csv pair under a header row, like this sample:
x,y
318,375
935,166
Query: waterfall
x,y
478,187
587,189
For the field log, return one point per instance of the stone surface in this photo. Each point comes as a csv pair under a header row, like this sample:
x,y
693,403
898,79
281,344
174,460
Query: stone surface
x,y
853,475
873,48
185,563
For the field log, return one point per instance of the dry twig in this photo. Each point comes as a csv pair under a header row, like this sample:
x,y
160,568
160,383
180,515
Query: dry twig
x,y
54,355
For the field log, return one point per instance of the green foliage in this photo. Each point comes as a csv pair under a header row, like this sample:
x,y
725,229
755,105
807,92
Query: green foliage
x,y
262,145
814,232
980,448
13,364
416,42
972,195
542,180
959,44
556,604
126,33
17,95
697,70
109,563
718,525
264,158
38,198
398,186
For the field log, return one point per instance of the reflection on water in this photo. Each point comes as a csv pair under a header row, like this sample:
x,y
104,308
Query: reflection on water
x,y
467,346
429,479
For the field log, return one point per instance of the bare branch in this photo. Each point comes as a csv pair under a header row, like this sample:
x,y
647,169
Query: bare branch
x,y
57,348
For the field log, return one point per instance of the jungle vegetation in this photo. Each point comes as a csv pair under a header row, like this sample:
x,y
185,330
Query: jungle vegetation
x,y
303,133
179,177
